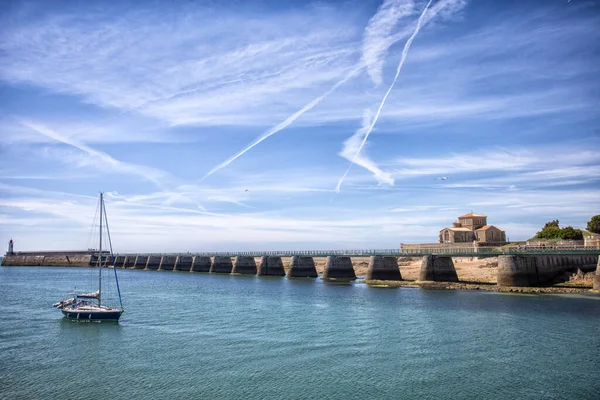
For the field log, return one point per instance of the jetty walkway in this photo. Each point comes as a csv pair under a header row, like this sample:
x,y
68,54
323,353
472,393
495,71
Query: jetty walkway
x,y
517,266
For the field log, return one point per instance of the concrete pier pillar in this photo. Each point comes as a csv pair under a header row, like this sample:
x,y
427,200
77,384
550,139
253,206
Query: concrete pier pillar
x,y
302,267
153,262
120,262
201,264
271,266
129,262
167,263
597,276
141,262
222,265
383,268
339,267
438,269
519,270
244,265
94,260
184,263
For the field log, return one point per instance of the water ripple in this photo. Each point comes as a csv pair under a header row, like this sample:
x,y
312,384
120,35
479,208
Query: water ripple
x,y
221,337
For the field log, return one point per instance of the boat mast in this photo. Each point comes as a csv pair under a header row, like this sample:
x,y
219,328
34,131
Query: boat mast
x,y
100,253
112,257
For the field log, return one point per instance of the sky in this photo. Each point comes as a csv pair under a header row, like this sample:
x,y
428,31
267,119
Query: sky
x,y
283,125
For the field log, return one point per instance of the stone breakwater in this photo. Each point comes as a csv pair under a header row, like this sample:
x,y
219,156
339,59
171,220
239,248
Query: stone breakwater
x,y
50,259
512,271
540,270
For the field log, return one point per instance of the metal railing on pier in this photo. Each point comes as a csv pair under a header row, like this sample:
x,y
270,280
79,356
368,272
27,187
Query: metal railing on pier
x,y
412,252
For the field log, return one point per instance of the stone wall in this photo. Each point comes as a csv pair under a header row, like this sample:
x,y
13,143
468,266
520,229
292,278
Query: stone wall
x,y
339,267
592,241
49,260
129,261
383,268
427,246
302,267
119,261
140,262
244,265
597,276
222,265
540,269
201,264
438,269
271,266
168,263
153,262
184,263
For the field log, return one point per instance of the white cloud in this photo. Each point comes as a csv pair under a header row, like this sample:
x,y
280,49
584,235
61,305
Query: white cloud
x,y
197,70
524,80
519,165
89,157
378,34
370,122
235,70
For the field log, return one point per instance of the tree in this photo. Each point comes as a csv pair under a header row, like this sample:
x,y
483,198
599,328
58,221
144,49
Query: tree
x,y
551,230
593,224
551,224
569,233
549,233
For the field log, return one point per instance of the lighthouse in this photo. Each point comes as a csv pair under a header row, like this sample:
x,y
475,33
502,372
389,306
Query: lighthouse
x,y
10,247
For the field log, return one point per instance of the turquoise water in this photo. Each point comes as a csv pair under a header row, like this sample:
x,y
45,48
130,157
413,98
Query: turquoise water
x,y
206,336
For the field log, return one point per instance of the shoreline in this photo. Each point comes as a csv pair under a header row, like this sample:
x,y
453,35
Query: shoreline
x,y
489,287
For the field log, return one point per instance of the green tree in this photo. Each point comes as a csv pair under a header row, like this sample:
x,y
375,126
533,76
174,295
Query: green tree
x,y
551,230
593,224
569,233
551,224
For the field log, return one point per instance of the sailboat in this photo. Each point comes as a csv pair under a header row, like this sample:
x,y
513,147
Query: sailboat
x,y
89,306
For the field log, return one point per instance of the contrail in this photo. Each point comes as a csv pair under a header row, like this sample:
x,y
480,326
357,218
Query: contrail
x,y
151,174
286,123
377,38
352,144
404,54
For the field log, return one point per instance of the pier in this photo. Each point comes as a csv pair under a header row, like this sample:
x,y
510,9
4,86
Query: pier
x,y
516,266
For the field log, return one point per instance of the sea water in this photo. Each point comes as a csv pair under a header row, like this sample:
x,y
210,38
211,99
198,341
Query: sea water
x,y
208,336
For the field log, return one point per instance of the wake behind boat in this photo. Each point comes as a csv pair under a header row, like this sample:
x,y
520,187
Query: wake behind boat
x,y
89,306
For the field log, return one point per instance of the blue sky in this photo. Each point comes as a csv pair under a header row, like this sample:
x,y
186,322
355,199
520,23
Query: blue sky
x,y
229,125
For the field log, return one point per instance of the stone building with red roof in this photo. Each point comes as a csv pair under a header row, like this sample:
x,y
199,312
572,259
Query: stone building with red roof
x,y
470,228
